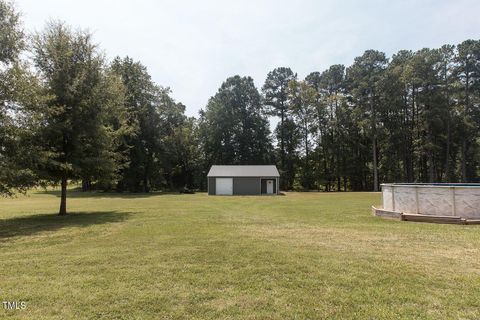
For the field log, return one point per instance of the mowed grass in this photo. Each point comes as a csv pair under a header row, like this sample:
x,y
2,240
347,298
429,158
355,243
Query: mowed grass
x,y
298,256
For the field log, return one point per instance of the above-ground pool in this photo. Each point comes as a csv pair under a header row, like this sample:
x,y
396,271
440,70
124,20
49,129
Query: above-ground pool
x,y
432,199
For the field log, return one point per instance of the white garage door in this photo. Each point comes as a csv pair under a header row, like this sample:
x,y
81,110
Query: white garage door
x,y
224,186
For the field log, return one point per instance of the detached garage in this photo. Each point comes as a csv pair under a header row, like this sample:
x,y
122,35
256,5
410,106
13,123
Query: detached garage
x,y
243,180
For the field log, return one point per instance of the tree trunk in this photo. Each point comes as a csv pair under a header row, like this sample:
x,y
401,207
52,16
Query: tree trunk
x,y
447,99
282,140
374,142
411,150
146,170
86,185
431,167
447,152
337,149
375,168
63,198
306,169
463,165
465,134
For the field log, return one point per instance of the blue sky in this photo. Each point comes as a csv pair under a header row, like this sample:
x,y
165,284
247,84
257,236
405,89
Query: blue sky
x,y
193,46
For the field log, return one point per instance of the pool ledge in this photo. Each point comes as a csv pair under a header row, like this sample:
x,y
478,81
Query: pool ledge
x,y
402,216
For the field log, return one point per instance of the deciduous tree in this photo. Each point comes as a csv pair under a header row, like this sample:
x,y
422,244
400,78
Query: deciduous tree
x,y
77,138
234,127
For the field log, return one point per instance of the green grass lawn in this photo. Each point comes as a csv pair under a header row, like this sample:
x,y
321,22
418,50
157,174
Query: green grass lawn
x,y
299,256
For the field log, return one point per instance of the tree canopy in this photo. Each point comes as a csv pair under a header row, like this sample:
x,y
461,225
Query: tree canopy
x,y
17,95
68,115
76,138
234,127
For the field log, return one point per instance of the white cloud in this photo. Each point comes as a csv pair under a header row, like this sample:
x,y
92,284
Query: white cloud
x,y
192,46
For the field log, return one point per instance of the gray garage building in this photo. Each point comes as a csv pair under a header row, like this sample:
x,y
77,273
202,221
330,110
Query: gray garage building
x,y
243,180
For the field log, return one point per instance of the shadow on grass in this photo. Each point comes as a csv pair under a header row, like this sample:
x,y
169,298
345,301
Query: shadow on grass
x,y
30,225
101,194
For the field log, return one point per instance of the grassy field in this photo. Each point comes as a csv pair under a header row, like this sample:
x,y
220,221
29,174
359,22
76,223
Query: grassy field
x,y
298,256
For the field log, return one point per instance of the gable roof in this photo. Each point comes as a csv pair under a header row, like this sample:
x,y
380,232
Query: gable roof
x,y
243,171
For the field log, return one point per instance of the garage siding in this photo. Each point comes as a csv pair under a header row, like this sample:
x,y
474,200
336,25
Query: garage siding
x,y
246,186
211,186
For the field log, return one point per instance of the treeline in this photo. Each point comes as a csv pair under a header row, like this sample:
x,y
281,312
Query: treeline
x,y
67,114
412,118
